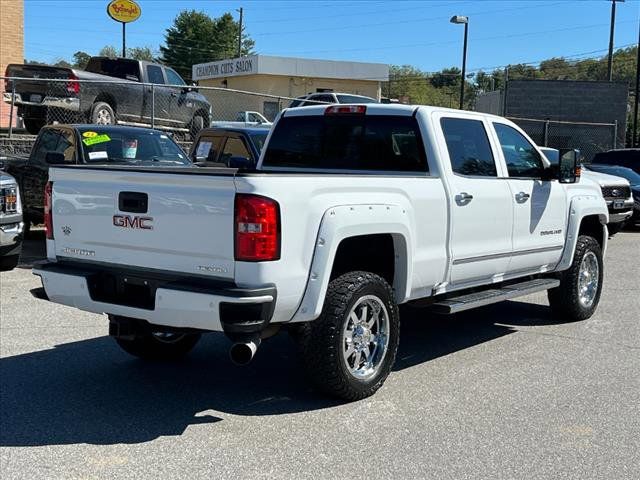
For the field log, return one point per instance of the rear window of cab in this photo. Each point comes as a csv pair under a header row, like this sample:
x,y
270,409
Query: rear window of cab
x,y
347,142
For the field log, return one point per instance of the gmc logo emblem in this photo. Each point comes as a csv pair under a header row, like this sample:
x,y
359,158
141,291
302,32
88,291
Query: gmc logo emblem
x,y
127,221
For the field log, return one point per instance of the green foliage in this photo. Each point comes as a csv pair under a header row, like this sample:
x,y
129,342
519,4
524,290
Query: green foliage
x,y
196,38
140,53
80,59
108,51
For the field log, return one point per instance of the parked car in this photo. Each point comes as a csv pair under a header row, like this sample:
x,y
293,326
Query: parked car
x,y
631,176
615,190
237,147
330,97
174,104
623,157
244,119
10,222
89,145
351,211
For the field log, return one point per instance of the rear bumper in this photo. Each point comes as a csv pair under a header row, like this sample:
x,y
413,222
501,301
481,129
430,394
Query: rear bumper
x,y
160,298
66,103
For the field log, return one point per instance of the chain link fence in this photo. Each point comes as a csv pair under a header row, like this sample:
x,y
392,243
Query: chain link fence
x,y
589,138
31,103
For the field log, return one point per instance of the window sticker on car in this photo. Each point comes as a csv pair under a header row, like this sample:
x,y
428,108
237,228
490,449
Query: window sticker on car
x,y
203,149
98,155
90,134
94,140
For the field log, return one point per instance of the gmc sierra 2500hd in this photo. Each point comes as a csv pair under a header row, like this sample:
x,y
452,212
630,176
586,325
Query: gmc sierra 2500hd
x,y
351,211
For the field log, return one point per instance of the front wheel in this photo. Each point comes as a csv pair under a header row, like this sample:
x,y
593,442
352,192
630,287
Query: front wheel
x,y
350,349
578,295
197,124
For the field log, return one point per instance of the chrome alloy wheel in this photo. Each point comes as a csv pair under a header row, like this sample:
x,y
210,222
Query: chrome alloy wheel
x,y
104,117
167,337
588,278
365,337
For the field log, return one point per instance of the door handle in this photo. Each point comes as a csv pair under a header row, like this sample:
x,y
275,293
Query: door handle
x,y
174,94
522,197
463,198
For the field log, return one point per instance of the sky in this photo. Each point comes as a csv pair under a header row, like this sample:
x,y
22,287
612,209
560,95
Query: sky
x,y
416,33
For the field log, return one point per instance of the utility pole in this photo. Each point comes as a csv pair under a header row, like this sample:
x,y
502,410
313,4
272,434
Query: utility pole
x,y
240,33
611,31
635,141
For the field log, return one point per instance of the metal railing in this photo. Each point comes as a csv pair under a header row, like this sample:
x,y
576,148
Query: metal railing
x,y
589,138
40,101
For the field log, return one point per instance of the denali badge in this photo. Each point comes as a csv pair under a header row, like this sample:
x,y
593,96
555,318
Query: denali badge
x,y
127,221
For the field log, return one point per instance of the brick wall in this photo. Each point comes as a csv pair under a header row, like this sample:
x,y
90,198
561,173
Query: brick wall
x,y
11,44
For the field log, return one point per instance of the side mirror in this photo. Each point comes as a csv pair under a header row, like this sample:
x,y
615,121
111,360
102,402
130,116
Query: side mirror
x,y
54,158
569,166
240,162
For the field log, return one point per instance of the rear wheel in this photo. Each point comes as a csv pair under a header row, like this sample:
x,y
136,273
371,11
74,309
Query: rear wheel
x,y
350,349
102,114
33,125
578,295
159,345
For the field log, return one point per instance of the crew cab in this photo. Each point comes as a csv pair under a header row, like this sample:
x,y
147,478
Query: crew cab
x,y
86,145
351,211
114,91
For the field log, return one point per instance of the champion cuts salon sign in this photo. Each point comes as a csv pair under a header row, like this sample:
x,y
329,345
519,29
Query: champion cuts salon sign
x,y
226,68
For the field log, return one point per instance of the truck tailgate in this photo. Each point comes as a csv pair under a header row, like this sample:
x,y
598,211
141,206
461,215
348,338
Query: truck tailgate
x,y
175,220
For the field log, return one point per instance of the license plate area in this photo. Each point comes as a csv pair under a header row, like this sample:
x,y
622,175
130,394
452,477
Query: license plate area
x,y
618,204
122,289
35,98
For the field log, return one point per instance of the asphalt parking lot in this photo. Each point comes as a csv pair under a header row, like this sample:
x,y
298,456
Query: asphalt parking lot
x,y
501,392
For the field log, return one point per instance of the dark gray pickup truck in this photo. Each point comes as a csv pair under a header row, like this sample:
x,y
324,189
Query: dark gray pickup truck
x,y
172,103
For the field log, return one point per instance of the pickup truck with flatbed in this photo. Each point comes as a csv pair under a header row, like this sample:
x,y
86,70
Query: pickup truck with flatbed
x,y
351,211
86,145
108,91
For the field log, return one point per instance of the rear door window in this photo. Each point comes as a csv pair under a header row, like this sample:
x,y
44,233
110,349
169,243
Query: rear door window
x,y
207,149
234,147
155,74
347,142
468,146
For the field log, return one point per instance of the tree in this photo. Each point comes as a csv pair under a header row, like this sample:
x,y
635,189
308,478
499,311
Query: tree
x,y
80,59
108,51
140,53
196,38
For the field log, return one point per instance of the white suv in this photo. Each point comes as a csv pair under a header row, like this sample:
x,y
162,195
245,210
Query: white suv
x,y
330,97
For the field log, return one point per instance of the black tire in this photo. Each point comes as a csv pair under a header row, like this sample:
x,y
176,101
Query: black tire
x,y
197,124
151,346
33,125
102,114
322,342
9,262
26,229
565,300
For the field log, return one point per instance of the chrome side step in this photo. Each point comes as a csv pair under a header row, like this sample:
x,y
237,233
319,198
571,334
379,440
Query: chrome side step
x,y
493,295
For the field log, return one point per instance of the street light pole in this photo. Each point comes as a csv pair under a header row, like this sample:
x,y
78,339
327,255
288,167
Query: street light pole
x,y
240,34
611,32
634,140
459,19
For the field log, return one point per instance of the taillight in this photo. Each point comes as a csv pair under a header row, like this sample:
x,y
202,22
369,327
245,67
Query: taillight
x,y
48,217
346,109
257,224
73,86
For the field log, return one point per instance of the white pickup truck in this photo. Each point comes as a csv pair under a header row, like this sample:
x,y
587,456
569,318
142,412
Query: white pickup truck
x,y
351,211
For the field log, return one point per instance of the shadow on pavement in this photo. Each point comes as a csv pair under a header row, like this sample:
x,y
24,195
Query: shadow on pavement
x,y
91,392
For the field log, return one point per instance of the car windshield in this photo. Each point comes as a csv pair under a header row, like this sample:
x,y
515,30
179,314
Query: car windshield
x,y
258,139
627,173
130,146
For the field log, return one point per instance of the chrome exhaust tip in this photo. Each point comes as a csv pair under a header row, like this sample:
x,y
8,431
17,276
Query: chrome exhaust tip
x,y
242,353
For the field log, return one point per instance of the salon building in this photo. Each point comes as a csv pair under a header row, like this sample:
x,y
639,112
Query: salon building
x,y
285,77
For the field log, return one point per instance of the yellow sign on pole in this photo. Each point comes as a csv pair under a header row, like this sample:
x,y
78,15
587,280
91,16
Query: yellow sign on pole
x,y
124,11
